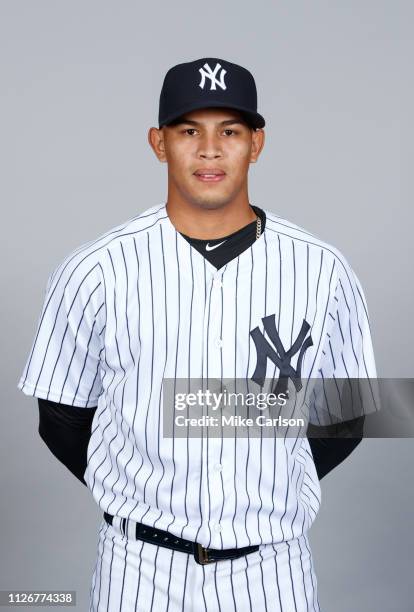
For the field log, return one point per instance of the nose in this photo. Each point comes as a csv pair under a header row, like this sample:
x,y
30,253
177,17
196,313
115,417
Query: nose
x,y
209,147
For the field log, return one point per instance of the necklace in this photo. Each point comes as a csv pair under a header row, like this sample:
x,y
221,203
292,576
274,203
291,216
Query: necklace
x,y
258,227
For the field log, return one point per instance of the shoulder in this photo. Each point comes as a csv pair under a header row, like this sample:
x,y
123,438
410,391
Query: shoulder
x,y
89,257
305,242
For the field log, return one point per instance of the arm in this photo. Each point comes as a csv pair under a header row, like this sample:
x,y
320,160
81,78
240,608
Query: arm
x,y
66,430
340,441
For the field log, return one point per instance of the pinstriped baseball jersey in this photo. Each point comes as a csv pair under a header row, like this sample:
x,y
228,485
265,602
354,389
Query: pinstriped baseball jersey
x,y
140,304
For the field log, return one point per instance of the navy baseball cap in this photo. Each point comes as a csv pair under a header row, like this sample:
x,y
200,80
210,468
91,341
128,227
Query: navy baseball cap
x,y
206,83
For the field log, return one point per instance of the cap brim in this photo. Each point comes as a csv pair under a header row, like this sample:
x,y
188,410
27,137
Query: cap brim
x,y
255,119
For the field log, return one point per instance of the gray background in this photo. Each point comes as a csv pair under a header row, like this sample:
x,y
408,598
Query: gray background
x,y
80,83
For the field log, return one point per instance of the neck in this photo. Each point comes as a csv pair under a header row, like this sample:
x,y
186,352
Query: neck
x,y
209,223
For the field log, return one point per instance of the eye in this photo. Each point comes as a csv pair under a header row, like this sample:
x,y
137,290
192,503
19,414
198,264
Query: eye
x,y
189,130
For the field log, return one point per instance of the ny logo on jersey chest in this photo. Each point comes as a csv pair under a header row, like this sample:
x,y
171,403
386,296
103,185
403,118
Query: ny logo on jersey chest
x,y
277,353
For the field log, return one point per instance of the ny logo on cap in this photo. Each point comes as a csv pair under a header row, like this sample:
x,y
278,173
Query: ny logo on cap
x,y
280,357
207,72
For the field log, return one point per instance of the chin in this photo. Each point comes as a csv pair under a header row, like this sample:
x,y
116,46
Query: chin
x,y
211,201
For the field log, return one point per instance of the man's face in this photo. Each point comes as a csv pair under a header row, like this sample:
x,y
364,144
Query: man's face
x,y
208,154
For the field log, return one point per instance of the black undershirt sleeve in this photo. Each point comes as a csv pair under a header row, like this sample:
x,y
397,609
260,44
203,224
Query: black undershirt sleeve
x,y
338,443
66,431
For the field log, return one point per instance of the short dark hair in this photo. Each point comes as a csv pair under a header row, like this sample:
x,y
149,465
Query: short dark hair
x,y
179,120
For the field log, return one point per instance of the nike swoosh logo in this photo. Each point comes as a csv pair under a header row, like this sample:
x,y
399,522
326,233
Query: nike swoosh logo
x,y
210,248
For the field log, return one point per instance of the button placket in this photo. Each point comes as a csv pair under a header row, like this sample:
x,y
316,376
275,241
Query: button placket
x,y
215,332
214,484
218,283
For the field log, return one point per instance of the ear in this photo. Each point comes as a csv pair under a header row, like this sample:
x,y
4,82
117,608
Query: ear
x,y
157,143
258,140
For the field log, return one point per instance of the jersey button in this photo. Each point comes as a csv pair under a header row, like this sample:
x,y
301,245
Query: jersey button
x,y
217,283
217,528
218,467
219,343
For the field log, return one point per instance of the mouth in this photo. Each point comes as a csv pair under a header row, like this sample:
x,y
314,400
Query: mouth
x,y
210,175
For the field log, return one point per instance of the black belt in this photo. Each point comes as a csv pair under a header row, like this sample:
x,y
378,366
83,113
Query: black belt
x,y
201,555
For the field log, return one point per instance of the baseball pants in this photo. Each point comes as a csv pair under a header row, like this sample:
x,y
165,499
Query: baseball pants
x,y
132,575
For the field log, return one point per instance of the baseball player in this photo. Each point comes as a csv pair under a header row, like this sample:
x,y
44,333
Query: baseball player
x,y
204,286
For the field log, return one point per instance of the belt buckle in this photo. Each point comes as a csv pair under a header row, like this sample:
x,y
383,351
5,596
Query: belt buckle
x,y
201,554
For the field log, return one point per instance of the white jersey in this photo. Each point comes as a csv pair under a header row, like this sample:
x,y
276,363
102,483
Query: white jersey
x,y
140,304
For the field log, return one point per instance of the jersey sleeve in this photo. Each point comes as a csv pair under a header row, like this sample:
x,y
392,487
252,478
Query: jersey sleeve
x,y
345,385
64,361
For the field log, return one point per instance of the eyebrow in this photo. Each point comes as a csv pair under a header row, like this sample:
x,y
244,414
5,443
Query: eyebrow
x,y
226,122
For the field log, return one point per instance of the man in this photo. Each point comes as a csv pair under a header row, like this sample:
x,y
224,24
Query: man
x,y
204,287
